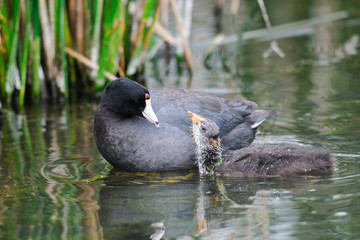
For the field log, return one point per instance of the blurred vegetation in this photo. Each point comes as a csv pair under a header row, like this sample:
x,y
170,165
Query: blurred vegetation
x,y
56,49
53,49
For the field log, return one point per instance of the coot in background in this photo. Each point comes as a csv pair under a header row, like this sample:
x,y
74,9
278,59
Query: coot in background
x,y
126,138
255,160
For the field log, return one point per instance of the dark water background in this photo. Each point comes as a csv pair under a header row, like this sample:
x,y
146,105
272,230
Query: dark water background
x,y
46,151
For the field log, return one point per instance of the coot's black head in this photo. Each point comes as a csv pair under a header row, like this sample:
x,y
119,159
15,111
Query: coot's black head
x,y
127,98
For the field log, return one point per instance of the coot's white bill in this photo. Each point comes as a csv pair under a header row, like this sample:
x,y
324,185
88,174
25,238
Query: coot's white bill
x,y
149,114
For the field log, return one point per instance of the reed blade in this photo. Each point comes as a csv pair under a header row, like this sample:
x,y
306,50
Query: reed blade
x,y
111,8
60,23
24,60
151,7
36,52
11,68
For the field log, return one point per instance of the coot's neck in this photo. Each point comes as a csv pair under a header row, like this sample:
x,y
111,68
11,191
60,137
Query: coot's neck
x,y
208,157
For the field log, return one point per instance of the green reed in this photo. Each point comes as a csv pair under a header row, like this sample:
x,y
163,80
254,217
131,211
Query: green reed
x,y
11,68
53,49
24,58
36,67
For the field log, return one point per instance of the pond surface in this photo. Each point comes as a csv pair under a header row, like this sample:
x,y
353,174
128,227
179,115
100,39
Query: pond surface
x,y
47,151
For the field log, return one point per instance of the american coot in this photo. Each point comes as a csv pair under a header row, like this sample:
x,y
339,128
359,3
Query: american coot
x,y
126,138
254,161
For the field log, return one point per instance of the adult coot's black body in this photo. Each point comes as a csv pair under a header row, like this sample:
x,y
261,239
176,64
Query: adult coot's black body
x,y
126,138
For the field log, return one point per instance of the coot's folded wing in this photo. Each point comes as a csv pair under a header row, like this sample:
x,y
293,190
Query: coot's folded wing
x,y
235,118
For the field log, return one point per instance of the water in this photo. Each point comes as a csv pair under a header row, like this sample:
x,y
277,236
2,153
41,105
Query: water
x,y
46,151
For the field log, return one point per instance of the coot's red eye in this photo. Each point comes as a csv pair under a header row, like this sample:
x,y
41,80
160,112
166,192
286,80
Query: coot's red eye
x,y
147,96
136,101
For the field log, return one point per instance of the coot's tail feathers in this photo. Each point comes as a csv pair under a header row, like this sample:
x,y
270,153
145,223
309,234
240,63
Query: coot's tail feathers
x,y
243,135
268,161
257,117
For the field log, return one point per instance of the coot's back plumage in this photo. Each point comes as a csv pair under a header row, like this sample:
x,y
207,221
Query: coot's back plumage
x,y
132,143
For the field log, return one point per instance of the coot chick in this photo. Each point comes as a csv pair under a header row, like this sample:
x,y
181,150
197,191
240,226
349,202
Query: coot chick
x,y
126,138
254,161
